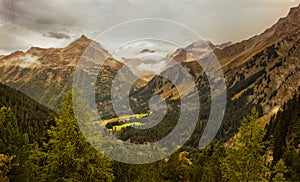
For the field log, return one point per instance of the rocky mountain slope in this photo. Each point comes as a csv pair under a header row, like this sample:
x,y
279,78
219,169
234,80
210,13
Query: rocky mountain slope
x,y
263,71
266,65
42,74
47,74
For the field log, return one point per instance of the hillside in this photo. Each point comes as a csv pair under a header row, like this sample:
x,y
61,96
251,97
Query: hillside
x,y
261,72
283,132
33,118
43,74
46,74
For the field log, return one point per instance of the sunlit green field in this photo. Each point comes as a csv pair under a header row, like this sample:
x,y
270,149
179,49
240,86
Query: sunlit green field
x,y
119,127
125,118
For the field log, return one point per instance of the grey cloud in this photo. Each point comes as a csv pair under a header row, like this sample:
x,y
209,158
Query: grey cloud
x,y
44,21
98,15
219,21
16,37
57,35
39,15
10,43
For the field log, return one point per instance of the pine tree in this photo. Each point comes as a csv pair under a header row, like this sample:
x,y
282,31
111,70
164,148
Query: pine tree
x,y
5,166
245,160
68,156
279,171
14,143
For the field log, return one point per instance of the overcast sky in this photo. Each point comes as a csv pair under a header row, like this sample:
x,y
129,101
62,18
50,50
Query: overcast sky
x,y
55,23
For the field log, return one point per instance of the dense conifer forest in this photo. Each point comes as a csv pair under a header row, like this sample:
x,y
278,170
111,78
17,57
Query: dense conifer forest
x,y
37,144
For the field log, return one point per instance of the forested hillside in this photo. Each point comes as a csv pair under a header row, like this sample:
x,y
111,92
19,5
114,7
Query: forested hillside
x,y
32,117
23,122
256,153
284,136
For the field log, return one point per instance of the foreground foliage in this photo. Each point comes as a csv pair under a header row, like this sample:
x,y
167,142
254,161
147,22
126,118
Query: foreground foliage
x,y
68,156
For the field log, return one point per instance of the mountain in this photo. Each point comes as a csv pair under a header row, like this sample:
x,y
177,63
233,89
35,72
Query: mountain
x,y
267,64
261,72
106,77
196,49
43,74
47,74
241,52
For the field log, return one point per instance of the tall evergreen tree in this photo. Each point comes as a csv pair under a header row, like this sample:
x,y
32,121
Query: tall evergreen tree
x,y
14,143
245,160
279,171
5,166
68,156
